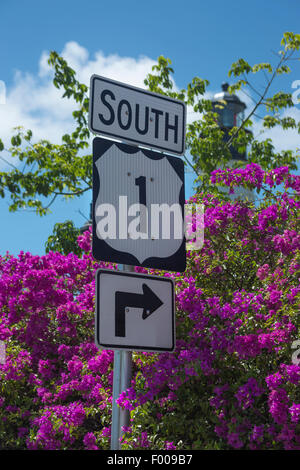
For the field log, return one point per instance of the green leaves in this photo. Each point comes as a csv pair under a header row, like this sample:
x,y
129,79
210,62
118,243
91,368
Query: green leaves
x,y
286,122
239,67
279,101
205,141
65,77
263,66
163,78
263,152
48,170
16,141
237,86
162,83
291,41
43,171
63,239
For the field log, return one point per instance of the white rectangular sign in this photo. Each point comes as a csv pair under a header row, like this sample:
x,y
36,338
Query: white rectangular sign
x,y
138,116
134,311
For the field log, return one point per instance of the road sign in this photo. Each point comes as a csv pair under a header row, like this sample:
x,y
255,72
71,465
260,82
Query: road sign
x,y
138,207
136,116
134,311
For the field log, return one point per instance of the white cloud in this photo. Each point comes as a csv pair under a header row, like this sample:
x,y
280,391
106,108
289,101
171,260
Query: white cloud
x,y
282,139
34,103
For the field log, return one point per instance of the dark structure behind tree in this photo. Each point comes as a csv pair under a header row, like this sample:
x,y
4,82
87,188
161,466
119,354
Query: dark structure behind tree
x,y
231,114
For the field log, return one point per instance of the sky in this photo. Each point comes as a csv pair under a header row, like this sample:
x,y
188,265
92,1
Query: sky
x,y
122,41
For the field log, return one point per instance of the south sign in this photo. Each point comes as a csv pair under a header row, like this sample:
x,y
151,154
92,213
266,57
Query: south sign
x,y
137,116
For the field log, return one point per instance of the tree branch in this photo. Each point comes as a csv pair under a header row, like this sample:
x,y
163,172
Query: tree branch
x,y
229,142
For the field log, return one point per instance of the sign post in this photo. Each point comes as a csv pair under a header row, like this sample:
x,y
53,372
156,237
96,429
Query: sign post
x,y
121,381
135,311
115,421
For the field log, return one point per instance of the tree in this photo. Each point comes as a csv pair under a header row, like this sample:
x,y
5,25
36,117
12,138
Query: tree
x,y
50,171
232,381
64,239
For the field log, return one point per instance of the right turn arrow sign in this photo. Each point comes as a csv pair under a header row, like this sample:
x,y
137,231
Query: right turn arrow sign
x,y
148,301
134,298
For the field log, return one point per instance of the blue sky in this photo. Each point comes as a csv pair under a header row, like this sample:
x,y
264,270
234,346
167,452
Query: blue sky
x,y
121,40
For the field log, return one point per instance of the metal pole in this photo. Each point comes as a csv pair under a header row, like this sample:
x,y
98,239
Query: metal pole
x,y
115,425
126,365
121,381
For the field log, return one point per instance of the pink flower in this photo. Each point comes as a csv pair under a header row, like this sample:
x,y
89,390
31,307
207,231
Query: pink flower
x,y
263,272
234,440
89,441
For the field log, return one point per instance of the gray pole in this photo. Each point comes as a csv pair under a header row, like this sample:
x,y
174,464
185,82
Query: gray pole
x,y
115,425
121,381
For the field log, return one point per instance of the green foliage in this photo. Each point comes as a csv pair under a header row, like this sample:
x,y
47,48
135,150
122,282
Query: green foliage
x,y
44,171
264,153
239,67
227,267
63,239
291,41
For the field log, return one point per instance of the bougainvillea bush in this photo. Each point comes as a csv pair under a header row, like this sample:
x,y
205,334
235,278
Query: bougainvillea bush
x,y
233,380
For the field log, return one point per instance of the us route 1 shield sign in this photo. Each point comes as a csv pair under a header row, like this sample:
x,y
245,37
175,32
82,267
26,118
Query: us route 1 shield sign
x,y
138,207
134,311
136,116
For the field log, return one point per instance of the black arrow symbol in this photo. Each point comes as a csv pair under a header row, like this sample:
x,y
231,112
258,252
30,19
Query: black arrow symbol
x,y
148,301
